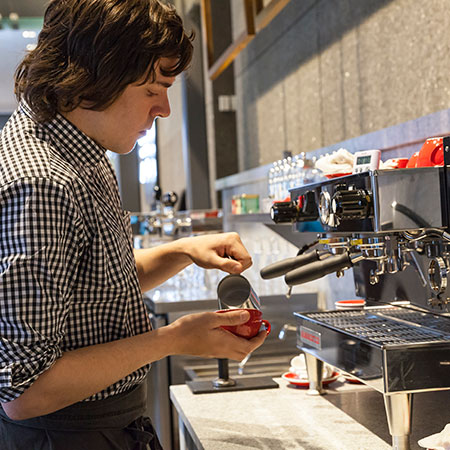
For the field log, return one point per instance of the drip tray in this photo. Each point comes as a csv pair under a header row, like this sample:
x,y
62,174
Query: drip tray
x,y
393,349
388,326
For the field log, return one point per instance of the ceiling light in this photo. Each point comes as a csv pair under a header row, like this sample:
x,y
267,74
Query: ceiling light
x,y
14,19
29,34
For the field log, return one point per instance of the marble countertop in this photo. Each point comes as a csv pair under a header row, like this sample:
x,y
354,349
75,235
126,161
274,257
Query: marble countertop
x,y
284,419
349,416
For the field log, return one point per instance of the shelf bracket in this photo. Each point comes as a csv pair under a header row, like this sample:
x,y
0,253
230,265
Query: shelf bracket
x,y
256,18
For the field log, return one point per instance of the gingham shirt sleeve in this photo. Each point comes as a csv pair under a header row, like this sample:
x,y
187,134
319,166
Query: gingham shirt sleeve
x,y
41,235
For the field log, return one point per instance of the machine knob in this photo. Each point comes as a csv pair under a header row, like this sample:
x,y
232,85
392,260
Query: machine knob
x,y
351,204
170,198
282,212
326,215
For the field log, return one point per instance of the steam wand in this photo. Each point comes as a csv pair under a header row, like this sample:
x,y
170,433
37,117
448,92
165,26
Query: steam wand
x,y
284,266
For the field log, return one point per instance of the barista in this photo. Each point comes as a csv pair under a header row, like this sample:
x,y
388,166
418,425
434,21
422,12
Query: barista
x,y
76,342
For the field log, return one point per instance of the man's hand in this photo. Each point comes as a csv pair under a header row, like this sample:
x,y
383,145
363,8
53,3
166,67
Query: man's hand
x,y
201,335
223,251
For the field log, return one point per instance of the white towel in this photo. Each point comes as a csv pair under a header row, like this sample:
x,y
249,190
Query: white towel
x,y
438,441
340,161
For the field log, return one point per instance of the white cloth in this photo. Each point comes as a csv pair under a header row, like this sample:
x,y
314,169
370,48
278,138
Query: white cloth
x,y
339,162
438,441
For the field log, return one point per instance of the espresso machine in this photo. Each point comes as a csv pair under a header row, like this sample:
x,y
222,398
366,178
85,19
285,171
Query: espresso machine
x,y
393,228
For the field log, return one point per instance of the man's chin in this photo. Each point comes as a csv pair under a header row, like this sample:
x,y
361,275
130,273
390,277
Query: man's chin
x,y
123,150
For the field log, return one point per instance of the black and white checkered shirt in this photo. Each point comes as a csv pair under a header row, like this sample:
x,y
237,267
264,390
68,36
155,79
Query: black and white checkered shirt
x,y
67,272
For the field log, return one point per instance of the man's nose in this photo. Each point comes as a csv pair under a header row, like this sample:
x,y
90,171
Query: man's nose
x,y
164,107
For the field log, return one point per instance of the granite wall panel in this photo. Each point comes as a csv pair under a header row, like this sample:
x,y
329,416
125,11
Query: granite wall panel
x,y
351,84
328,25
326,71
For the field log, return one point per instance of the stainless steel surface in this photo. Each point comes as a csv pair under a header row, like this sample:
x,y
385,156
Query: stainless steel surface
x,y
284,329
437,274
388,326
314,367
429,413
207,301
398,412
386,222
392,349
403,199
220,382
235,291
393,228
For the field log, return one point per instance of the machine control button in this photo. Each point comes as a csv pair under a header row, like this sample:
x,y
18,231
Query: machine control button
x,y
351,204
282,212
325,207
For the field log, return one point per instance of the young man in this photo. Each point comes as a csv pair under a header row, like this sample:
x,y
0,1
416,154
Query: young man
x,y
76,342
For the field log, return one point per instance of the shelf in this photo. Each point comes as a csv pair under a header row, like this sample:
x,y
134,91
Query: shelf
x,y
256,217
285,230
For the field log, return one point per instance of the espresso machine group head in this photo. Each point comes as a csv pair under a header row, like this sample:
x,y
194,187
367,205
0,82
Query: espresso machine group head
x,y
382,221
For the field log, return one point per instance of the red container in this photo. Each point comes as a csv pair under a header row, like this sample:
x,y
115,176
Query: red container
x,y
432,153
350,304
412,161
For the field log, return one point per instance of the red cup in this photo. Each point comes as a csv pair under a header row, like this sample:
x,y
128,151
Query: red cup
x,y
432,153
412,162
250,328
350,304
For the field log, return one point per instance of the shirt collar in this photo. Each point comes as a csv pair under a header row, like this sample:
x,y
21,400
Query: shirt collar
x,y
73,144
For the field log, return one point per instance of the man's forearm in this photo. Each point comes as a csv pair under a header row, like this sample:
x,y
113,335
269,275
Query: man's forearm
x,y
80,373
158,264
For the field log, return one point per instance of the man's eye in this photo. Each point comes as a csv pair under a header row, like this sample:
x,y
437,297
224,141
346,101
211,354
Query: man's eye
x,y
151,94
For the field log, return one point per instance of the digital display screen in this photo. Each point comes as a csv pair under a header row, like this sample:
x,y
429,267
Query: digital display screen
x,y
363,160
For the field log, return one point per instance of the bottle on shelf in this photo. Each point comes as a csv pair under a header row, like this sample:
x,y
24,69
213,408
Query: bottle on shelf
x,y
289,173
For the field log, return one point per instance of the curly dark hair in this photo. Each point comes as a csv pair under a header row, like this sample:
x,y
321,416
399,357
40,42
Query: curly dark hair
x,y
88,51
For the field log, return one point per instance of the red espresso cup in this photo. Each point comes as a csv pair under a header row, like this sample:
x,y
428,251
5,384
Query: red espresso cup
x,y
250,328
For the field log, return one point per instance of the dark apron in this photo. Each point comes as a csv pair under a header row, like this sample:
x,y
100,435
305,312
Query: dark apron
x,y
116,423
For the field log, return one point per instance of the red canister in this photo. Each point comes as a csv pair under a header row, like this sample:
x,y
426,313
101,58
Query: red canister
x,y
412,162
432,153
